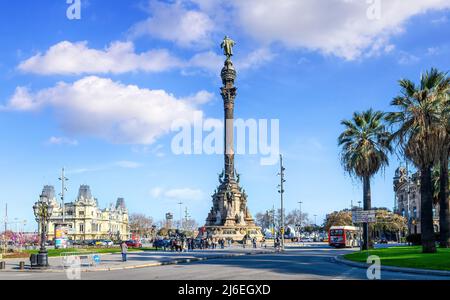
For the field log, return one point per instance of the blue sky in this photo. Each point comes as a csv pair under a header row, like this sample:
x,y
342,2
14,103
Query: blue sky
x,y
74,93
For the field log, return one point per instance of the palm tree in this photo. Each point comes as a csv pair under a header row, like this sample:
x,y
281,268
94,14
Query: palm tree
x,y
418,131
443,98
365,148
442,201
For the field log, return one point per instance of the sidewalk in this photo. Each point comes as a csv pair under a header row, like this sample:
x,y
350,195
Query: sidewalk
x,y
111,262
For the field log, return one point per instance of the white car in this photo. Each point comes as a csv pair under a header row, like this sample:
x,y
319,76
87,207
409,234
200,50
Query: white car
x,y
108,243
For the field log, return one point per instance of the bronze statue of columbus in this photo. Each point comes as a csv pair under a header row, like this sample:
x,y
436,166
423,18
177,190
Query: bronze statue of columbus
x,y
227,46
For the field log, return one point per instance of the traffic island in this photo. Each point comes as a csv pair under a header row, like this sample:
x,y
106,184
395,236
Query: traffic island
x,y
407,259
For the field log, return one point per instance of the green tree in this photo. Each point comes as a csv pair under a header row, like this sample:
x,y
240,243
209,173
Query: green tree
x,y
338,218
365,148
387,221
141,224
418,130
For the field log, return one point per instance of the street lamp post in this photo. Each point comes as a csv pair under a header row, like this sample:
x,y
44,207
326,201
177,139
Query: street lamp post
x,y
63,190
43,211
281,191
180,226
315,226
301,221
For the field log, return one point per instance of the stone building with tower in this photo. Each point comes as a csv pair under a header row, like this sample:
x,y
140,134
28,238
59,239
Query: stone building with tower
x,y
85,220
229,216
410,201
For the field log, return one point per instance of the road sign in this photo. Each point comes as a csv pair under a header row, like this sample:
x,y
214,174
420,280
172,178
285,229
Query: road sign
x,y
364,216
96,259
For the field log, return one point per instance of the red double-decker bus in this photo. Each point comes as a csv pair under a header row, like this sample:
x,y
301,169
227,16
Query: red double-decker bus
x,y
343,236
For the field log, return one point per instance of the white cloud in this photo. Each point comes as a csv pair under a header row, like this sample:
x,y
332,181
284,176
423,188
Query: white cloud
x,y
213,62
126,164
157,150
209,61
175,23
338,27
440,21
185,194
255,59
66,58
77,58
62,141
110,110
406,58
437,50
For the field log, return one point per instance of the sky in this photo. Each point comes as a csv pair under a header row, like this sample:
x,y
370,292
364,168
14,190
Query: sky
x,y
97,93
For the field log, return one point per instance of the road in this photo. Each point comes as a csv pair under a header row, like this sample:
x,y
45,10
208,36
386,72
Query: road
x,y
296,263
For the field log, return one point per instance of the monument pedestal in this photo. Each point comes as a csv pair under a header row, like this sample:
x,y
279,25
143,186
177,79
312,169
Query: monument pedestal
x,y
229,218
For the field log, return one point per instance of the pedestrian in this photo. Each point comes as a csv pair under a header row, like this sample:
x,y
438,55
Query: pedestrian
x,y
254,242
124,250
263,243
277,244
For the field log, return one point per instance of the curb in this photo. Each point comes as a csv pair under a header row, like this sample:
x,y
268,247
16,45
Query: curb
x,y
340,259
152,264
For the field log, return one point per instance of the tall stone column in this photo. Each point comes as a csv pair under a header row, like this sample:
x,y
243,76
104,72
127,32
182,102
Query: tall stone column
x,y
229,217
228,92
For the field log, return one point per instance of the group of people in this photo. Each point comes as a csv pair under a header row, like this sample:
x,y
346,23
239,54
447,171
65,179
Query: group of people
x,y
254,242
207,243
181,244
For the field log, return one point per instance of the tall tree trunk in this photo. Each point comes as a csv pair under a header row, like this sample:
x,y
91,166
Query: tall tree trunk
x,y
426,208
444,213
367,205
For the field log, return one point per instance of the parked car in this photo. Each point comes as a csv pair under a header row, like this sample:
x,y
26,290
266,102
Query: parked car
x,y
90,242
133,244
383,241
108,243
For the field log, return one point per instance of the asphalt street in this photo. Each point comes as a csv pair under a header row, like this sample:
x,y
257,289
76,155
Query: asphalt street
x,y
295,264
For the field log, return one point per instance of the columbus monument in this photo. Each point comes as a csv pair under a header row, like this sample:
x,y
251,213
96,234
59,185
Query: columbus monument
x,y
229,217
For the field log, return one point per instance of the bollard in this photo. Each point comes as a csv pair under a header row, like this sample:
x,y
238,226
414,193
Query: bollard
x,y
22,265
2,265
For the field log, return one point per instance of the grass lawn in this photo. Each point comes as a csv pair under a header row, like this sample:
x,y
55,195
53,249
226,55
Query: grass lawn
x,y
407,257
57,252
